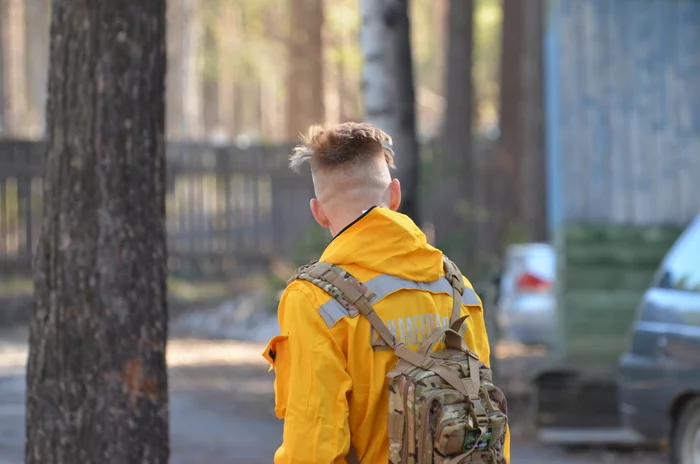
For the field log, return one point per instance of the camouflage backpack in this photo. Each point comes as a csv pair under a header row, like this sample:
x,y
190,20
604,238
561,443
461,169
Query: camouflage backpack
x,y
444,408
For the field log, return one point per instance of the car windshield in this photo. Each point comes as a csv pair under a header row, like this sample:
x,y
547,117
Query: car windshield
x,y
682,268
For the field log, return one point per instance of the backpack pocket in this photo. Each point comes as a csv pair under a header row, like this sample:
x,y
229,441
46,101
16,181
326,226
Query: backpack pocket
x,y
277,354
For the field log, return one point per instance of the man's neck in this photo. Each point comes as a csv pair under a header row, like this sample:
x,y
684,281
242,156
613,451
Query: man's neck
x,y
343,221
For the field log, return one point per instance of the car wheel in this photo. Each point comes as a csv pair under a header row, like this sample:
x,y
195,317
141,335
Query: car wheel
x,y
685,437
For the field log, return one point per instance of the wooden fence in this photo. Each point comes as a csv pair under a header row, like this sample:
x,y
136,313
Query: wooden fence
x,y
228,208
233,210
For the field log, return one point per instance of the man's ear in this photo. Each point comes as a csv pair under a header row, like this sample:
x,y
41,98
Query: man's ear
x,y
319,214
394,195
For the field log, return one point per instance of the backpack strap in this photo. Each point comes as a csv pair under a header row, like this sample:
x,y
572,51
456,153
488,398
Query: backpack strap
x,y
352,294
454,276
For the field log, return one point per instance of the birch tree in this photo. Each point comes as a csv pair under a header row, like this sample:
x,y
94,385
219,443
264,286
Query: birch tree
x,y
389,94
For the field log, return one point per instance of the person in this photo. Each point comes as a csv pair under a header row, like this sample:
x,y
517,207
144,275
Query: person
x,y
330,372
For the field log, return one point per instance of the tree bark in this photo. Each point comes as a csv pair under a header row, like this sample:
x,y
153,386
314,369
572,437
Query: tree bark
x,y
175,117
185,89
533,196
305,73
2,68
519,200
385,39
97,389
15,78
455,224
227,29
37,38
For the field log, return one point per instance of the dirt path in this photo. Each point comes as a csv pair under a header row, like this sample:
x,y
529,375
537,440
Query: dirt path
x,y
221,408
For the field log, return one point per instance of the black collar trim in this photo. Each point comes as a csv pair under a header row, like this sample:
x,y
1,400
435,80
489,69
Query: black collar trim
x,y
354,222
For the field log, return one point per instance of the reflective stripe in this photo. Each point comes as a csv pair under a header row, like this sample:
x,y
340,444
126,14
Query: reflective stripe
x,y
384,285
332,312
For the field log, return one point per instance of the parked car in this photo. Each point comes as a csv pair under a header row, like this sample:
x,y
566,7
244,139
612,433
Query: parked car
x,y
526,303
660,373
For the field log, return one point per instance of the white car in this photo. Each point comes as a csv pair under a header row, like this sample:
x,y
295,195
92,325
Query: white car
x,y
526,305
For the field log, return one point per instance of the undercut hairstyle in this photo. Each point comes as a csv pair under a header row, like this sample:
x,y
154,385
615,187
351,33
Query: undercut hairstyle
x,y
346,163
328,147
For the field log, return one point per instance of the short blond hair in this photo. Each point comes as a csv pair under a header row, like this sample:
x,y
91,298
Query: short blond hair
x,y
346,163
330,146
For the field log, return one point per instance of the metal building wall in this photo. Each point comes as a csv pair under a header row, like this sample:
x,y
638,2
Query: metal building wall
x,y
623,111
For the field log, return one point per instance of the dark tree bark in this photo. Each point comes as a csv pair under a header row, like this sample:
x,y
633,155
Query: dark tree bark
x,y
305,83
405,138
2,68
12,16
97,389
37,58
519,165
457,190
533,174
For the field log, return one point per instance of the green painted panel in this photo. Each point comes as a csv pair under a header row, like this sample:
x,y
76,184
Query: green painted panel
x,y
602,301
606,278
602,277
631,235
596,350
640,257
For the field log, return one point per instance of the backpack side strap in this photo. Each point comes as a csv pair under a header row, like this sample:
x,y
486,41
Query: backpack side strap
x,y
352,294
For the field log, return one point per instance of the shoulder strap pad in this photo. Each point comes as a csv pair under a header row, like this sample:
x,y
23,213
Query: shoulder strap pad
x,y
453,274
338,283
352,294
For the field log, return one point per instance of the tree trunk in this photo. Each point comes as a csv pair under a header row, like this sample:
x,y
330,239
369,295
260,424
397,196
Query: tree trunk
x,y
2,68
175,116
456,223
519,200
385,39
227,25
97,389
37,39
305,76
185,100
15,79
533,196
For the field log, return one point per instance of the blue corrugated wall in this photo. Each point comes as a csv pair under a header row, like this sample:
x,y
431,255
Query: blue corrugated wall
x,y
623,111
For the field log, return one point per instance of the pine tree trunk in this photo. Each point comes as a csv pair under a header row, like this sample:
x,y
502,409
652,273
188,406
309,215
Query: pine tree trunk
x,y
12,14
2,68
97,389
37,58
505,204
305,76
519,198
385,39
533,196
184,89
175,116
455,223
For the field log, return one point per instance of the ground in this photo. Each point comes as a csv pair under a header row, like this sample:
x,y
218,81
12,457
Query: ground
x,y
221,408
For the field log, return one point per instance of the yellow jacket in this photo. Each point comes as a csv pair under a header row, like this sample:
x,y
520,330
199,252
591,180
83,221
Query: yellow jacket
x,y
330,385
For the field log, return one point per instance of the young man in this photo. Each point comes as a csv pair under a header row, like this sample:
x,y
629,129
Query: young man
x,y
331,385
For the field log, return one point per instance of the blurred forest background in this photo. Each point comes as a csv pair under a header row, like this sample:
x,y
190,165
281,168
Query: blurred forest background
x,y
248,73
260,70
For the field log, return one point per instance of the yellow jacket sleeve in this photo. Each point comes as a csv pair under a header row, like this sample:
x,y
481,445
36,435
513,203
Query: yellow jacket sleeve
x,y
311,385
